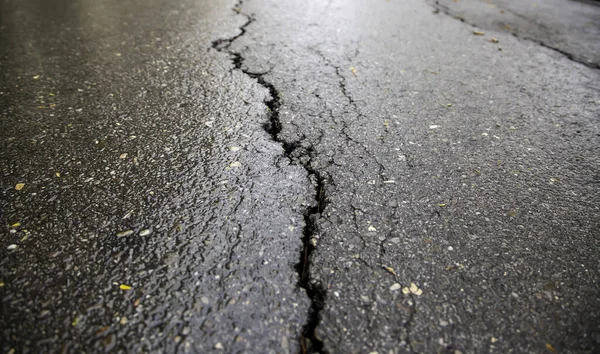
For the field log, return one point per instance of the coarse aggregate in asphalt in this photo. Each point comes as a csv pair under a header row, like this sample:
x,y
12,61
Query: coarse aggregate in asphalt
x,y
279,176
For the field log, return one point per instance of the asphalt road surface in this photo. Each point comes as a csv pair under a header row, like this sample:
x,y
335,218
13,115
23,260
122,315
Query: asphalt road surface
x,y
276,176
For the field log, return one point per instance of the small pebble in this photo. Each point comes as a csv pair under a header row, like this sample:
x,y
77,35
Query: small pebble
x,y
415,289
12,247
395,287
124,233
145,232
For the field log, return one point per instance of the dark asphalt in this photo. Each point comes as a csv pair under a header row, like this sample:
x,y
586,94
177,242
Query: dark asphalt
x,y
119,116
280,176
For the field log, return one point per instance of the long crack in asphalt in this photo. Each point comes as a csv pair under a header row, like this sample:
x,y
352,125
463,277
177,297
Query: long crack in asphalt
x,y
448,12
309,341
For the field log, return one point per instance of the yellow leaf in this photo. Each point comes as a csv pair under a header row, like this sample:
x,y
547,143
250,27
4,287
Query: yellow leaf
x,y
442,205
19,186
390,269
125,287
550,347
17,224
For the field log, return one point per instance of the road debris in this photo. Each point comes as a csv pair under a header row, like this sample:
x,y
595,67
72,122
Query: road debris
x,y
124,233
390,270
414,289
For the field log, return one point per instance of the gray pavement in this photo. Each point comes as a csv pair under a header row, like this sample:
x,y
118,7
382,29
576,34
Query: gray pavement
x,y
571,27
280,176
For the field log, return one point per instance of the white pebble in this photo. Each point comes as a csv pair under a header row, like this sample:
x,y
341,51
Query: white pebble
x,y
124,233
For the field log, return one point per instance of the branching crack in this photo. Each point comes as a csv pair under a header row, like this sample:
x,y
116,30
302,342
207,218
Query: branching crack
x,y
297,154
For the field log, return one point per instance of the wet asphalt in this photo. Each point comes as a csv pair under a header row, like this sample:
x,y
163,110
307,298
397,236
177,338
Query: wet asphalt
x,y
282,176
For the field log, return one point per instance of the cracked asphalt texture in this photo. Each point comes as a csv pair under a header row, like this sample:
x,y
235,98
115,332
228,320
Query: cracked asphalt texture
x,y
400,149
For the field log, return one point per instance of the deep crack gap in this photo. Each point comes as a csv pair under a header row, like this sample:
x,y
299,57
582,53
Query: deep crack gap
x,y
309,341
